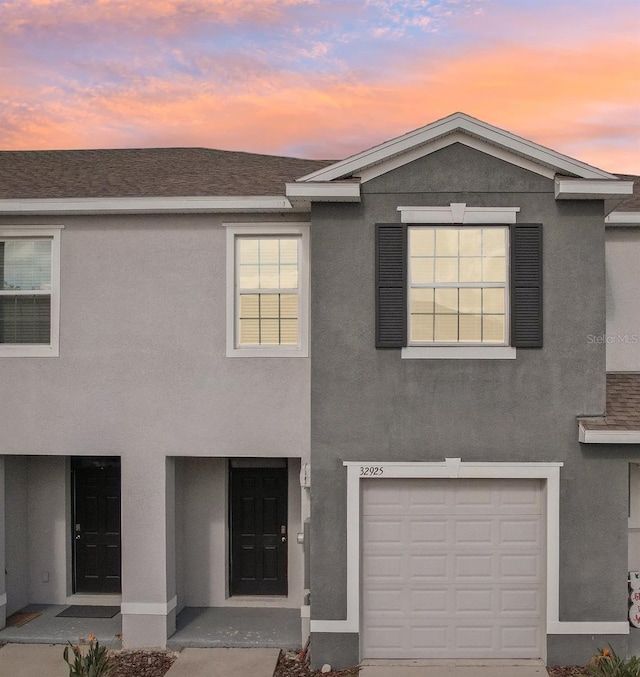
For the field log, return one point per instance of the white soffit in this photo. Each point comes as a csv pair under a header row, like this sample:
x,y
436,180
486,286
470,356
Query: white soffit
x,y
145,205
623,219
591,189
461,128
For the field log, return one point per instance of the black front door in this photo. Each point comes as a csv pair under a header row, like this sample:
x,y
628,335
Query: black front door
x,y
96,524
259,531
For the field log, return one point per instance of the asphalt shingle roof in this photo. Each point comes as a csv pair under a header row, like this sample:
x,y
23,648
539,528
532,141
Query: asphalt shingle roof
x,y
163,172
623,404
146,172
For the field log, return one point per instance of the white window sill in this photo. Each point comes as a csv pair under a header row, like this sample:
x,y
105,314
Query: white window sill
x,y
267,352
26,350
459,353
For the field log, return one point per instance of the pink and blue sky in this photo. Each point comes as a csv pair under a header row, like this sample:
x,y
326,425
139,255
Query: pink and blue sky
x,y
319,78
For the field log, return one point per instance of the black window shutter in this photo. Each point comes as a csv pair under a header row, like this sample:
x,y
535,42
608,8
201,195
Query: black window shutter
x,y
526,285
391,285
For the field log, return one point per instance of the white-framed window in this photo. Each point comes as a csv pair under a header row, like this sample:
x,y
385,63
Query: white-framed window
x,y
267,290
29,291
458,285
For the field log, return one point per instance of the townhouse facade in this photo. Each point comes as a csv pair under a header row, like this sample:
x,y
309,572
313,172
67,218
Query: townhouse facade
x,y
395,392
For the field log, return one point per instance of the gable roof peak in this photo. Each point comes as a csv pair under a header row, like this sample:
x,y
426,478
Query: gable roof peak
x,y
457,127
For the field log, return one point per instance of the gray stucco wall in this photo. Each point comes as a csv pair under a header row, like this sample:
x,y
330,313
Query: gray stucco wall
x,y
142,361
202,529
369,404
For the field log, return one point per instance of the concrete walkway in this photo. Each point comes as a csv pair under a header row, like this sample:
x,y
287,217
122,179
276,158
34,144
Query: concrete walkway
x,y
225,663
32,660
41,660
453,668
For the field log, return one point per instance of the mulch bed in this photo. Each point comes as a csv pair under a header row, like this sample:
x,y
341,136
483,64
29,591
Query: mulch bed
x,y
157,663
141,663
290,664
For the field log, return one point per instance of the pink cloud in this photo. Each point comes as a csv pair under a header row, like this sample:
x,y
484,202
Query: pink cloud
x,y
18,16
575,96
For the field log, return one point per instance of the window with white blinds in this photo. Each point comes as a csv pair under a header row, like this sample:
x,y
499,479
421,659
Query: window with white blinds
x,y
268,291
458,285
267,277
28,293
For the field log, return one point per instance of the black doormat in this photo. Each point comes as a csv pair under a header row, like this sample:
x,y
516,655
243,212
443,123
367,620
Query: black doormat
x,y
86,611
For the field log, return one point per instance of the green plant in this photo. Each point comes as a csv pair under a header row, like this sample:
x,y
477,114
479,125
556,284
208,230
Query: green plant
x,y
90,660
607,663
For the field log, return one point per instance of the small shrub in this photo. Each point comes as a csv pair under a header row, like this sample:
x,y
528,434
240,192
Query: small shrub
x,y
607,663
91,660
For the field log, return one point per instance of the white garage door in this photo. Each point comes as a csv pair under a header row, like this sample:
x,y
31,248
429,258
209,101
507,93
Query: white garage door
x,y
452,568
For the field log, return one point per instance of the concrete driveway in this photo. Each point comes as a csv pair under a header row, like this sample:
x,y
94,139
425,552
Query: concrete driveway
x,y
453,668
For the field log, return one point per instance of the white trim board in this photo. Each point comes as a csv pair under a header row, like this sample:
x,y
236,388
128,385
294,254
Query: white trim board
x,y
461,352
454,468
587,436
146,205
149,608
591,189
458,213
622,219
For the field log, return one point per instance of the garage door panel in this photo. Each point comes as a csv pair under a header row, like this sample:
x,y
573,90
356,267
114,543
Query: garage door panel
x,y
383,530
429,567
520,601
517,497
386,602
428,636
474,531
431,531
474,601
432,601
473,565
387,637
521,565
518,639
524,531
467,576
386,567
477,637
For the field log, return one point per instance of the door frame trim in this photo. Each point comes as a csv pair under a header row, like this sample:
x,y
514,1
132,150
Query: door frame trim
x,y
454,468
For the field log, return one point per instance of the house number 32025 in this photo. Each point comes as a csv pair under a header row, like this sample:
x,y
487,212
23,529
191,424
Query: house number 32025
x,y
371,470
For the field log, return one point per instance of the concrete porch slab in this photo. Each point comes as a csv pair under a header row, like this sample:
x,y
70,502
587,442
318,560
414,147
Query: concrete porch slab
x,y
236,627
453,668
225,663
49,629
32,660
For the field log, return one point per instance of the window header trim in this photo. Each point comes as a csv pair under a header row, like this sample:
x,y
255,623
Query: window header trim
x,y
458,213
